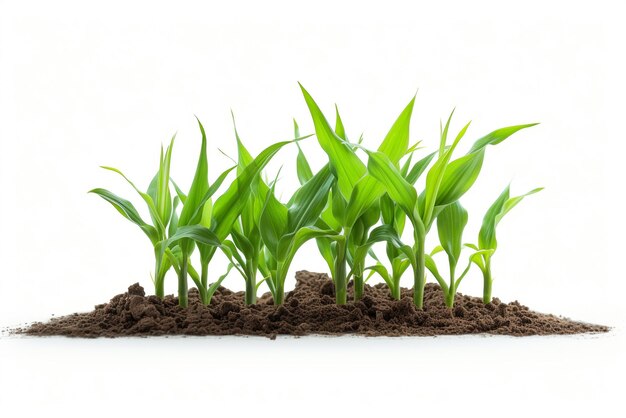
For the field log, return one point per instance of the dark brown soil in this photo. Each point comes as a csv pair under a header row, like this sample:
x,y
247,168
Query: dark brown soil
x,y
309,309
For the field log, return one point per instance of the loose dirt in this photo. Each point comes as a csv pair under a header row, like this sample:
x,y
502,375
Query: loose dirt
x,y
309,309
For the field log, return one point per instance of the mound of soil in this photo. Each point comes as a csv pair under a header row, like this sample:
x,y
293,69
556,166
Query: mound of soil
x,y
309,309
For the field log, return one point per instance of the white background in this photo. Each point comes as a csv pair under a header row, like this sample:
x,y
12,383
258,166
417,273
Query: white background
x,y
83,85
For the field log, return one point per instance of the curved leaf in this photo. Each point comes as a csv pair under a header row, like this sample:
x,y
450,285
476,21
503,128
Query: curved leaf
x,y
499,208
450,225
498,136
127,210
348,166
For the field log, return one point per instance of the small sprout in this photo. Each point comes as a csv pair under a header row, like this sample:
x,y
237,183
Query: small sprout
x,y
487,242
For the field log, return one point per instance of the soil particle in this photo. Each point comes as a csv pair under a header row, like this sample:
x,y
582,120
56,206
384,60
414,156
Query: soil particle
x,y
309,309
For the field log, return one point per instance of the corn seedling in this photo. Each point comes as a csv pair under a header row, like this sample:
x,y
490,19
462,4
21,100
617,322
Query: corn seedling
x,y
247,246
446,182
450,225
353,208
286,227
161,207
394,219
487,242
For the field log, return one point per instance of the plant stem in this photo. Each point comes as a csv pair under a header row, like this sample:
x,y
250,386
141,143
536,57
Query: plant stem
x,y
341,287
419,279
395,290
488,281
279,296
449,295
359,285
250,298
182,283
204,279
279,292
159,284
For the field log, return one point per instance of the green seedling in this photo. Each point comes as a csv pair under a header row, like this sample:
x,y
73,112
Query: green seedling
x,y
487,242
353,205
161,207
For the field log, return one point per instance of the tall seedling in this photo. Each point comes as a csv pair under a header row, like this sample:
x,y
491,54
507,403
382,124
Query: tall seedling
x,y
446,182
247,246
161,207
393,224
354,206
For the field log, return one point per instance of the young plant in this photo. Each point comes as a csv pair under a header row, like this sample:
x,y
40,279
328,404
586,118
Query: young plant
x,y
285,227
450,225
393,218
353,209
208,225
247,246
446,182
487,243
161,207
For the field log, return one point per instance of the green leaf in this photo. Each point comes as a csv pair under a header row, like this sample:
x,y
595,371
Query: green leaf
x,y
419,168
214,286
163,195
243,243
383,273
450,225
340,130
274,221
387,209
174,221
309,201
346,164
198,233
303,168
444,133
396,141
324,246
502,205
290,243
244,157
181,195
400,191
229,205
479,258
201,209
368,189
127,210
192,209
432,267
459,176
435,175
498,136
383,233
154,214
512,202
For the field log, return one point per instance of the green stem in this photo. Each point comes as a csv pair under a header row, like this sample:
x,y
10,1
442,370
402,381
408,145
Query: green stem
x,y
359,286
488,281
395,290
419,279
159,282
341,286
251,269
279,295
279,286
449,295
183,290
204,279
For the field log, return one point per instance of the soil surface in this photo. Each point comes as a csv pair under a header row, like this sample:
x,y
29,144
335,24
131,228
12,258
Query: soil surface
x,y
308,309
